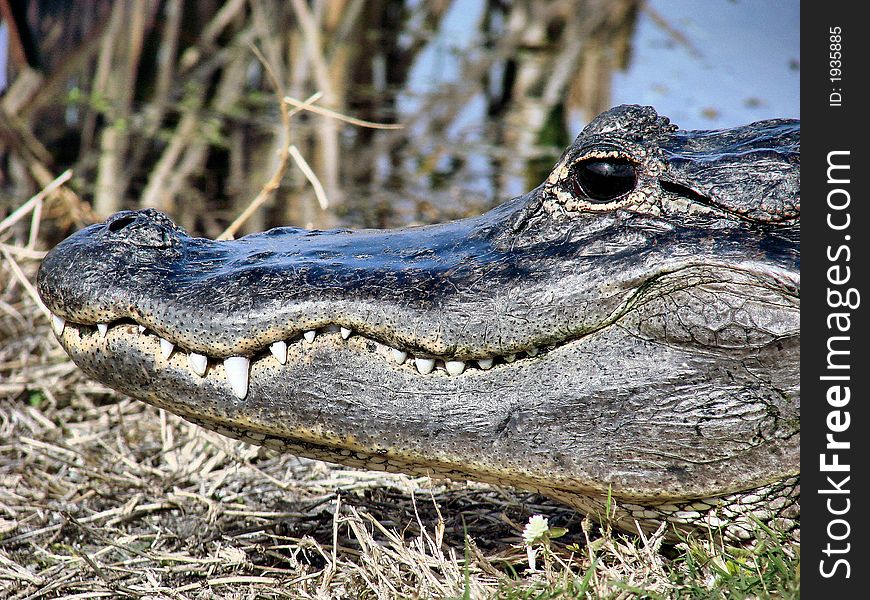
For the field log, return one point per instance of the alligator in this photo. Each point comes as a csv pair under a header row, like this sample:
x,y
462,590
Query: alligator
x,y
624,338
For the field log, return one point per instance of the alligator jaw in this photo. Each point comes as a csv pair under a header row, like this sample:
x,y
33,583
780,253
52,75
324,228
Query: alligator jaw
x,y
328,402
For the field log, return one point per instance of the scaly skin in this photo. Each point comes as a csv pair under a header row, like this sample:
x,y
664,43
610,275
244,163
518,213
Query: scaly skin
x,y
630,327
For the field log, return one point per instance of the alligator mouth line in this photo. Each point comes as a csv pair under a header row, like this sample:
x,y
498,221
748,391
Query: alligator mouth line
x,y
237,368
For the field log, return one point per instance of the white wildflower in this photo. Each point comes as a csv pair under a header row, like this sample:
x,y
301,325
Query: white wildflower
x,y
535,529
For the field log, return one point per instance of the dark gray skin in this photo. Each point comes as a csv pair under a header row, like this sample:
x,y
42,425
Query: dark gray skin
x,y
630,327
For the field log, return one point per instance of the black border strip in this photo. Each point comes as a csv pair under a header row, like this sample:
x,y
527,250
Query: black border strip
x,y
835,233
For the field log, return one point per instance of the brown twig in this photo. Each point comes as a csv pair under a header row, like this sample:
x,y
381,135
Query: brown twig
x,y
306,169
25,282
35,200
337,115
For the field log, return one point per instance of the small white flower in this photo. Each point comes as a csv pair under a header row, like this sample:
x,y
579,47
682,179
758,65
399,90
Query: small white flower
x,y
535,529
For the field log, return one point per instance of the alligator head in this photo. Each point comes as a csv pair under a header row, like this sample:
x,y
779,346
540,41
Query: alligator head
x,y
629,329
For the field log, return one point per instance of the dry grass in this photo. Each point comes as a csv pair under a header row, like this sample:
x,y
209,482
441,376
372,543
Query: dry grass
x,y
105,497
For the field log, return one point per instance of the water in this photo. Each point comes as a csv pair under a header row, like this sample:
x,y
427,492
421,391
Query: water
x,y
742,63
711,64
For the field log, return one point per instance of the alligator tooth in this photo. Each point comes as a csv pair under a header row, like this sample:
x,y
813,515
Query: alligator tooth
x,y
424,365
484,363
454,367
236,368
198,363
104,328
309,335
510,358
399,355
279,351
57,323
141,328
166,348
345,332
533,351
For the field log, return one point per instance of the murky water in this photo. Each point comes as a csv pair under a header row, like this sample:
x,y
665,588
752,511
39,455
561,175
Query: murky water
x,y
717,63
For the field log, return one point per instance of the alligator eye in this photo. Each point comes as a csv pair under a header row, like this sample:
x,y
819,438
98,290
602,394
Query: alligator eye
x,y
604,180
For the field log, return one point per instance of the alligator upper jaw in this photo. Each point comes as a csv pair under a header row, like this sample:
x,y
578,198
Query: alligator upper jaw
x,y
447,297
524,276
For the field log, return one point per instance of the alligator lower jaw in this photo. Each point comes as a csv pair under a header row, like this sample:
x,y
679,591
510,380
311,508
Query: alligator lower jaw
x,y
143,364
133,362
236,369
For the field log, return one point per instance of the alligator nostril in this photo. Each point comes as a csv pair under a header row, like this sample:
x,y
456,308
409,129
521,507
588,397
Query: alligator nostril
x,y
121,223
146,228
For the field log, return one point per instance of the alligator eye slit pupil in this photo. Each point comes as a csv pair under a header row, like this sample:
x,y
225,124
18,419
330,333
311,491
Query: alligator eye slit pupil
x,y
604,180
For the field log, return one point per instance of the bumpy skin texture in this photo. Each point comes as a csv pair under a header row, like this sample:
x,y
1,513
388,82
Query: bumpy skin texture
x,y
641,341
